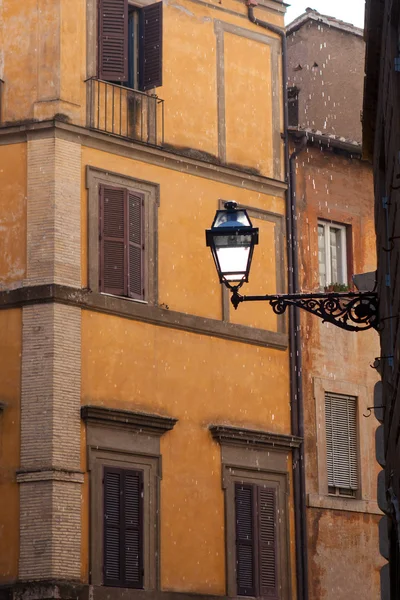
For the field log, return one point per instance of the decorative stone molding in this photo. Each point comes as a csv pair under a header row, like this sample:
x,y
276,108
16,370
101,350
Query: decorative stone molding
x,y
253,438
139,311
50,475
127,419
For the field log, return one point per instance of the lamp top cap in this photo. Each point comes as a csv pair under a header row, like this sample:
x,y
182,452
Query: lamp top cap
x,y
230,205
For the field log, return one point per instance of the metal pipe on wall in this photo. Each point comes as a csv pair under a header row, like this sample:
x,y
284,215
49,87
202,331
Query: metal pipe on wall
x,y
297,410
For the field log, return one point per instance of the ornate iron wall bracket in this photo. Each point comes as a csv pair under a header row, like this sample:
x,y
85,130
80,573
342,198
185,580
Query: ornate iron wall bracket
x,y
350,311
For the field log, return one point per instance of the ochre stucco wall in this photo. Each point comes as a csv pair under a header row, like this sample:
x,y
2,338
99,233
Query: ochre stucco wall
x,y
12,215
46,40
199,380
187,278
10,377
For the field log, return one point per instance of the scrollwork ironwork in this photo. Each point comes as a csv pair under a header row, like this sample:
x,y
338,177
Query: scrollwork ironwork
x,y
349,311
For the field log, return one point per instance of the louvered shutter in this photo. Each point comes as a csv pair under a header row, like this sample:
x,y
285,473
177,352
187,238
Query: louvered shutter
x,y
113,247
341,441
150,46
267,538
112,526
113,40
136,247
133,534
123,528
245,567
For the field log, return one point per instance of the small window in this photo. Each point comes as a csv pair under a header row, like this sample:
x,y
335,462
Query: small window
x,y
332,255
123,527
341,445
121,242
293,106
130,44
256,540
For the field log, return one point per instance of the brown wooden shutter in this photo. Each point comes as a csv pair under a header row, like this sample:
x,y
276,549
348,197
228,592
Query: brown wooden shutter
x,y
267,538
112,526
123,528
113,247
150,46
113,40
136,247
133,535
245,561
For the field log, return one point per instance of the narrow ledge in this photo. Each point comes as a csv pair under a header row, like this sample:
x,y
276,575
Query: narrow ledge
x,y
138,311
343,504
49,474
253,438
126,419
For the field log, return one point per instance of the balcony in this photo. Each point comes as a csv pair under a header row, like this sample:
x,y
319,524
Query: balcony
x,y
128,113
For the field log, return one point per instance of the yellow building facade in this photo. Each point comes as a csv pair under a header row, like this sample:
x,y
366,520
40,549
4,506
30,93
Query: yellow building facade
x,y
139,413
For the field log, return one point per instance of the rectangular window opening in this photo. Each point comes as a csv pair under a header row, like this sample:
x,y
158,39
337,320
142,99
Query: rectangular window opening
x,y
256,540
293,106
332,256
341,445
122,248
123,528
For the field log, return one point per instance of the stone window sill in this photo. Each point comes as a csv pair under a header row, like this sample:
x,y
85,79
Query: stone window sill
x,y
341,503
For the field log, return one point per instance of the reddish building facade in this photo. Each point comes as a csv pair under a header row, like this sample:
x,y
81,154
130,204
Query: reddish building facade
x,y
335,234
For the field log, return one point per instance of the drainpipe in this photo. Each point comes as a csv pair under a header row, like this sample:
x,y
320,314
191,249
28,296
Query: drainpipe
x,y
297,410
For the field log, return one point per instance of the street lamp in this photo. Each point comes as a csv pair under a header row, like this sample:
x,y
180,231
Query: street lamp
x,y
232,238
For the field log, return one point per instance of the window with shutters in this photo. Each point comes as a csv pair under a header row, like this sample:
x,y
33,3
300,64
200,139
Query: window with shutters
x,y
130,43
122,235
256,540
257,528
123,527
341,444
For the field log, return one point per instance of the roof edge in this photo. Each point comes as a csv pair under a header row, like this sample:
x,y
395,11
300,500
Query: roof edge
x,y
313,15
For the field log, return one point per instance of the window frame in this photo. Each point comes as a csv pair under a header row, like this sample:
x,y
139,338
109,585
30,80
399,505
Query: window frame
x,y
150,467
263,461
150,192
95,48
259,478
327,225
318,496
335,490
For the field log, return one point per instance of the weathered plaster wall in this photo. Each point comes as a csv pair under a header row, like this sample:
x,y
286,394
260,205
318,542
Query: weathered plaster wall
x,y
215,64
330,96
199,380
187,207
343,535
10,389
12,215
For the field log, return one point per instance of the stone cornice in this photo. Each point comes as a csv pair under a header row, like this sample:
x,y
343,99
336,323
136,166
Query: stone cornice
x,y
127,419
170,159
49,474
139,311
253,438
327,141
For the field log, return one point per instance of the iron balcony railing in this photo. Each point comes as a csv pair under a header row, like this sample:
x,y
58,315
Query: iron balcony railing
x,y
125,112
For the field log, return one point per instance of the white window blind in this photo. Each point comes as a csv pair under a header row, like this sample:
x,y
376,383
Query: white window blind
x,y
341,442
